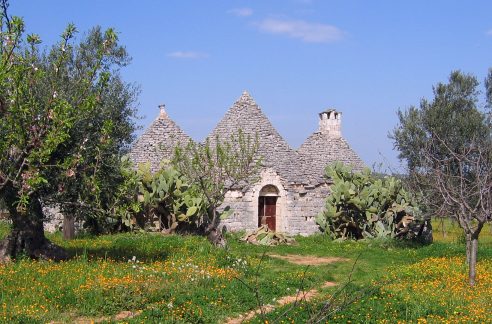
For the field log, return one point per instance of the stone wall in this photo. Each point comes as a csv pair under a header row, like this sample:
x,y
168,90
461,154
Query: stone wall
x,y
157,144
297,206
53,221
305,204
244,204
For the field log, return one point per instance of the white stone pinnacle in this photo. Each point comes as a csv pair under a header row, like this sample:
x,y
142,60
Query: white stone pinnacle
x,y
162,111
246,98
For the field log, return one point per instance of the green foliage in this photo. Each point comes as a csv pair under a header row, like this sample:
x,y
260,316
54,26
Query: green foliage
x,y
363,206
103,139
65,120
217,167
447,145
120,206
162,201
452,117
448,230
168,201
4,229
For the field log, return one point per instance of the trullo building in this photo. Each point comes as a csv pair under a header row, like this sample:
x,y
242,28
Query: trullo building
x,y
292,187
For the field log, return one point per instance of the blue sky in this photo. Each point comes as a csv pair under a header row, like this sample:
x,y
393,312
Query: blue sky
x,y
296,57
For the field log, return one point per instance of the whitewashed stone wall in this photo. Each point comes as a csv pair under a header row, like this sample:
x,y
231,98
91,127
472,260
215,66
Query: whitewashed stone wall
x,y
297,206
245,204
307,203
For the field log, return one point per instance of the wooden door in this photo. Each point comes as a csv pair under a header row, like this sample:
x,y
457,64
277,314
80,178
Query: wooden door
x,y
267,211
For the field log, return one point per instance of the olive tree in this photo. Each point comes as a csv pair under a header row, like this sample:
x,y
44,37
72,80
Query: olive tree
x,y
65,117
446,143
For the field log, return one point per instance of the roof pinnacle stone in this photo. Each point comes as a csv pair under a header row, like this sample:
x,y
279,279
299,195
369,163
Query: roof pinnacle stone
x,y
162,111
246,99
157,144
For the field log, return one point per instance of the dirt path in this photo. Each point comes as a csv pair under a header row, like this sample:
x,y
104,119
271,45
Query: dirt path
x,y
301,296
307,259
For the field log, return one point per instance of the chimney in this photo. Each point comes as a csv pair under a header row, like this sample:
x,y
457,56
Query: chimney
x,y
162,113
330,122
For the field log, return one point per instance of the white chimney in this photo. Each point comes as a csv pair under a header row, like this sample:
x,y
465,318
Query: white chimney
x,y
330,122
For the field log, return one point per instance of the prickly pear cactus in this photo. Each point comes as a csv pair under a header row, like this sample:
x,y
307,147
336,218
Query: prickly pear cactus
x,y
168,200
364,206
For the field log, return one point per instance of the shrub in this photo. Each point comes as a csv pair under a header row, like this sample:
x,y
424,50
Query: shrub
x,y
362,205
169,202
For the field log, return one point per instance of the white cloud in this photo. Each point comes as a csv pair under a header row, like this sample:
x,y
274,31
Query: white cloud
x,y
306,31
241,12
187,55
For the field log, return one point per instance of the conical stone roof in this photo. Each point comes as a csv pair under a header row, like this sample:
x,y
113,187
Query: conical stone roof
x,y
158,142
321,149
246,115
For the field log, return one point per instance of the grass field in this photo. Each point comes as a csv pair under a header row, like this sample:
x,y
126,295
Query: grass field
x,y
179,279
446,230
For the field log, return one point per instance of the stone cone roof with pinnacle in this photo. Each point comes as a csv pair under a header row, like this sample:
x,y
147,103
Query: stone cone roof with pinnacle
x,y
320,149
246,115
158,142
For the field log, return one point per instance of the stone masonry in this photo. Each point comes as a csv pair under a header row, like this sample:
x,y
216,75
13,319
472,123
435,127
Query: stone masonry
x,y
157,143
294,178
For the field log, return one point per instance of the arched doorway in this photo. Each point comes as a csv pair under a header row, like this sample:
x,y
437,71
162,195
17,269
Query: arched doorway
x,y
267,207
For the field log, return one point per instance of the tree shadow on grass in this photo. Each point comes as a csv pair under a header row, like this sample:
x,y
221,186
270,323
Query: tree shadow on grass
x,y
144,247
117,254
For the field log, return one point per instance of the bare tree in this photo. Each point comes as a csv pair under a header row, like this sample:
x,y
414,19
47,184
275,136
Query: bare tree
x,y
458,183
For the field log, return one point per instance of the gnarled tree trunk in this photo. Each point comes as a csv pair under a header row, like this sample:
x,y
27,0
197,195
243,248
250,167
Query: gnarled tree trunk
x,y
215,236
27,235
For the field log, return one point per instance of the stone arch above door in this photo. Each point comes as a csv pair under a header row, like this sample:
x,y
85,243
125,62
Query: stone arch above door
x,y
269,191
267,207
270,184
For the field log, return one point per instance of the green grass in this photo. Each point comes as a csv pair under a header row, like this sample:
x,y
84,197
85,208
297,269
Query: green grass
x,y
447,230
4,229
186,280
